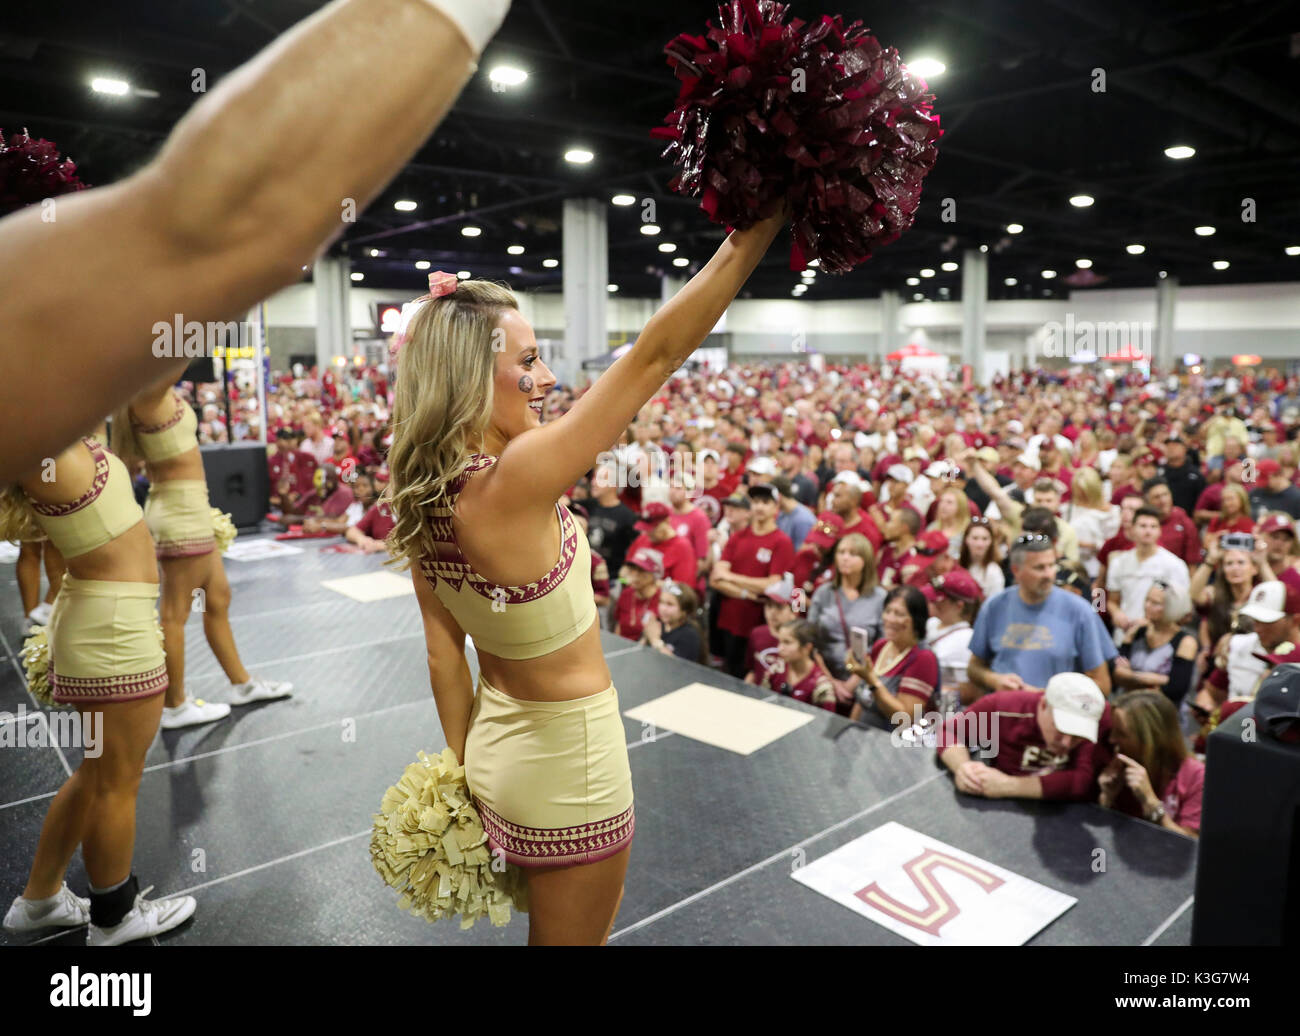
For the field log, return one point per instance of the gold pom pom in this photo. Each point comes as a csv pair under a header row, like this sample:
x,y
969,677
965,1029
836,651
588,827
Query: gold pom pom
x,y
36,660
429,844
223,527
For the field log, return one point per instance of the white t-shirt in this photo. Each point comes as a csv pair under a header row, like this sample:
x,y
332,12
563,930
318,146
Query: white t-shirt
x,y
951,646
1132,579
1244,669
1094,527
990,578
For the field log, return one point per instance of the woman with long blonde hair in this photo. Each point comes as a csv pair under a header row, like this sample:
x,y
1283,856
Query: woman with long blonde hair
x,y
159,427
1093,520
476,482
105,660
951,517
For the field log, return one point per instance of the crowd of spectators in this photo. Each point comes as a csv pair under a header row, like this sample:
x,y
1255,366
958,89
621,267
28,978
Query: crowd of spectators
x,y
1106,564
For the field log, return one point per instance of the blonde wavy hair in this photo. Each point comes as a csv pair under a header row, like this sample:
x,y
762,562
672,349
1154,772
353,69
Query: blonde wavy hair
x,y
442,406
17,519
1086,490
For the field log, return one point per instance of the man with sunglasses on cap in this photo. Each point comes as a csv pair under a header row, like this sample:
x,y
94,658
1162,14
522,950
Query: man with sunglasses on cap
x,y
1050,744
1034,630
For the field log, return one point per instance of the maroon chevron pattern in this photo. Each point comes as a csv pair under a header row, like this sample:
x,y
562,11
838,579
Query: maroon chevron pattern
x,y
546,847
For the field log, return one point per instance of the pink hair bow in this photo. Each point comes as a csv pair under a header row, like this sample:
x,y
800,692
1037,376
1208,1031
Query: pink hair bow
x,y
440,285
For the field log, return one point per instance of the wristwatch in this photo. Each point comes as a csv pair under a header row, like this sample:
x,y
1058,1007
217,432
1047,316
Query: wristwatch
x,y
1157,815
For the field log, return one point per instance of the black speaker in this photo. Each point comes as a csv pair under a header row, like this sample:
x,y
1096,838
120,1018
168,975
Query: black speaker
x,y
238,481
1248,870
202,370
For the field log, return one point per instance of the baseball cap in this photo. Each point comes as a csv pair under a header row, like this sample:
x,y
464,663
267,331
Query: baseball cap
x,y
652,515
762,466
956,583
647,560
1267,602
1015,428
826,530
1068,577
783,591
736,501
759,489
849,478
1277,523
1030,460
706,454
900,473
988,455
782,485
1077,704
1268,467
932,542
1277,702
1148,459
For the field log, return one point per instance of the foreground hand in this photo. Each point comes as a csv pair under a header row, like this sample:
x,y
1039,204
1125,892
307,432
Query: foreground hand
x,y
1138,780
970,777
311,525
996,784
1009,682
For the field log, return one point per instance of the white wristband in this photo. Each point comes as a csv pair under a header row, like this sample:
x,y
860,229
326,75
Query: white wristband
x,y
478,20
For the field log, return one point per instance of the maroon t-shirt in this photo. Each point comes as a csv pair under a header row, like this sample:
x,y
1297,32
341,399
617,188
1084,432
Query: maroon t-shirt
x,y
1021,749
1117,542
816,684
749,554
632,611
679,556
761,652
1178,535
377,522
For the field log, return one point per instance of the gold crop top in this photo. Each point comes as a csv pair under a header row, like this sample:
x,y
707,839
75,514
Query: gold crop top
x,y
513,621
105,511
177,435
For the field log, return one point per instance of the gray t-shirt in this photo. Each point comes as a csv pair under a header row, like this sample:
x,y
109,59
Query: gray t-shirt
x,y
865,611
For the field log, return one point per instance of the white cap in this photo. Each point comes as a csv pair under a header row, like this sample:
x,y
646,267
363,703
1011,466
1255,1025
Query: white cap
x,y
1030,460
900,473
763,466
849,478
709,453
1076,703
1015,428
791,412
915,453
939,469
1267,602
873,404
861,441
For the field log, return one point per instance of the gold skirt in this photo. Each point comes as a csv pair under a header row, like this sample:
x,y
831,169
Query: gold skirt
x,y
180,518
105,642
550,780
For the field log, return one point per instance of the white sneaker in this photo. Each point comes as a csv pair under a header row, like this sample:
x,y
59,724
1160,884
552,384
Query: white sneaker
x,y
144,919
41,614
68,911
258,689
194,712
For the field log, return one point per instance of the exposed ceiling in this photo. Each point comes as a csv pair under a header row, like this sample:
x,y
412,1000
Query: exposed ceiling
x,y
1025,129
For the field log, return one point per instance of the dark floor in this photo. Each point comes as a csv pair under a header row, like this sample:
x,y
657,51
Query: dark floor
x,y
265,817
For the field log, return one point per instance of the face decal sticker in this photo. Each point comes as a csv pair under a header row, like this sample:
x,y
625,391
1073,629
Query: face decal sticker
x,y
526,384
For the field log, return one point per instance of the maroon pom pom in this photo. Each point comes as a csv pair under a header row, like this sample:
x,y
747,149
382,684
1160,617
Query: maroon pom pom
x,y
815,113
31,171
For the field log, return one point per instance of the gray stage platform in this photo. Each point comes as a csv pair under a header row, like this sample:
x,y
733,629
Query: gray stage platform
x,y
265,816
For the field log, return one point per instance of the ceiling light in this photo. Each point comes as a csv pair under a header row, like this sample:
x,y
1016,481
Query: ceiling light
x,y
1180,151
927,273
681,261
550,264
649,229
1014,228
516,249
623,200
1010,282
358,277
926,68
374,253
471,231
423,264
464,275
984,248
611,288
1047,275
667,247
917,297
912,282
507,76
578,156
405,206
949,267
1204,231
1082,201
1293,249
1083,264
1221,264
1136,249
116,87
